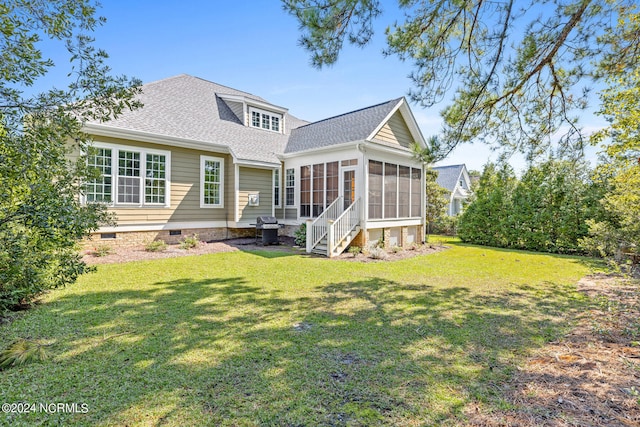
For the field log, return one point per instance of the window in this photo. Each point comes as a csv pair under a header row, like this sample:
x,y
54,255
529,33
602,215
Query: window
x,y
265,119
404,192
305,191
156,180
375,189
390,190
290,182
99,189
276,188
129,176
211,182
318,189
416,186
394,191
332,182
255,119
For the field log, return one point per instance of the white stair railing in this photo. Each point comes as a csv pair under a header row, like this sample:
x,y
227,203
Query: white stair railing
x,y
340,228
317,229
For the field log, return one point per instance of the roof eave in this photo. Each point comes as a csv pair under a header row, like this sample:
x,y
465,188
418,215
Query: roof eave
x,y
253,102
333,147
109,131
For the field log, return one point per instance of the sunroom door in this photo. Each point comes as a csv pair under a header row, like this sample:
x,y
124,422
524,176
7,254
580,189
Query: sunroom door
x,y
348,187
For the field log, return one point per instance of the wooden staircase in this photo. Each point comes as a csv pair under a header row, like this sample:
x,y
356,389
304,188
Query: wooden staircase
x,y
331,233
321,248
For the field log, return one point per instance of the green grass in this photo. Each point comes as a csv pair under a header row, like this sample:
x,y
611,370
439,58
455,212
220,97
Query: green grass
x,y
268,338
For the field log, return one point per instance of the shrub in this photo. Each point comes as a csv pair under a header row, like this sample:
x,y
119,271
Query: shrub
x,y
300,236
189,242
355,250
378,253
102,250
396,249
156,246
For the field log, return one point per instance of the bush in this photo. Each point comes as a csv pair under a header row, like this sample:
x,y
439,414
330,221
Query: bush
x,y
102,250
447,225
189,242
378,253
355,250
156,246
300,236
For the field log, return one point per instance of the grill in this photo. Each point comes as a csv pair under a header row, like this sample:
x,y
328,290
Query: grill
x,y
267,228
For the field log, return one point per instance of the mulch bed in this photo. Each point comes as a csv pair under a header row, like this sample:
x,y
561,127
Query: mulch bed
x,y
589,378
138,253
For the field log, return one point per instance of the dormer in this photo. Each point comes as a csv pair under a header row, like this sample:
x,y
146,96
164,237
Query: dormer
x,y
255,113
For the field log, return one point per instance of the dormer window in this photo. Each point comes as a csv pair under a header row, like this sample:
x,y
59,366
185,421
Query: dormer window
x,y
265,119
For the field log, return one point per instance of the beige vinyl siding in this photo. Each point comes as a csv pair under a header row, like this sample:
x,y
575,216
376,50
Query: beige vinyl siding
x,y
291,213
255,181
238,109
395,131
185,189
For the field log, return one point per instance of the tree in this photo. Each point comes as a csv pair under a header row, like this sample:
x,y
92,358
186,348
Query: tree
x,y
620,168
546,210
437,199
485,219
516,68
41,214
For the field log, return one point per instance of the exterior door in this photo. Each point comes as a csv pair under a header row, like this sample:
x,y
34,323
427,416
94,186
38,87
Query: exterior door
x,y
348,187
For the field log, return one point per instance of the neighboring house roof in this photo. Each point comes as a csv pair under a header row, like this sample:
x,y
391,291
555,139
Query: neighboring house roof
x,y
353,126
449,176
199,112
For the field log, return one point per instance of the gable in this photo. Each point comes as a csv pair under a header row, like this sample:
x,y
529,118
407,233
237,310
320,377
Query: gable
x,y
237,109
395,131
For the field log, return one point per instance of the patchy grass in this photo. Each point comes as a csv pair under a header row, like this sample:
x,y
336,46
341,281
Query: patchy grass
x,y
270,338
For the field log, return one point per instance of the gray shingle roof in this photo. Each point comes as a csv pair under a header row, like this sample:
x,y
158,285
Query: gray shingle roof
x,y
189,107
354,126
448,176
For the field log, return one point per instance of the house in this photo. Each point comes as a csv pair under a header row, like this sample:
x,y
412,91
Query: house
x,y
202,158
455,179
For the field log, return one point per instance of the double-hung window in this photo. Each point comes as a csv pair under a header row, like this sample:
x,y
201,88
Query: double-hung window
x,y
100,188
276,188
129,176
290,185
211,182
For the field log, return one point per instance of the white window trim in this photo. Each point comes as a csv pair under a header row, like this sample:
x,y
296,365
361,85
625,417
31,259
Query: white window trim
x,y
115,148
270,114
203,159
277,183
294,188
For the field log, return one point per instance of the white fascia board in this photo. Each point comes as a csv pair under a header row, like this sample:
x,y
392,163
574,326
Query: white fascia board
x,y
253,102
256,164
409,119
375,146
334,147
102,130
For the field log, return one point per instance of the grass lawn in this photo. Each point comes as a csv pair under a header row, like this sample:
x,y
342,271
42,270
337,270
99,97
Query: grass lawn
x,y
268,338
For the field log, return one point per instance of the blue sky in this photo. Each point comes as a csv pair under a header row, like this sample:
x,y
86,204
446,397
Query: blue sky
x,y
253,46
